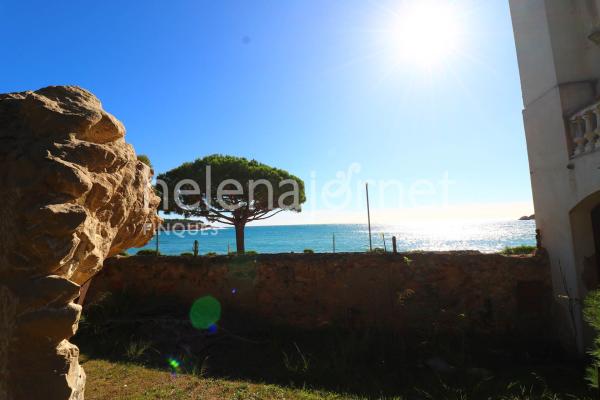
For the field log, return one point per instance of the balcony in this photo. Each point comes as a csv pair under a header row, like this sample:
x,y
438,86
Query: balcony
x,y
584,128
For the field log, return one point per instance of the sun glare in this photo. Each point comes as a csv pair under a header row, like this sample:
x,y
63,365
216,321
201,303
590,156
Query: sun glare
x,y
426,32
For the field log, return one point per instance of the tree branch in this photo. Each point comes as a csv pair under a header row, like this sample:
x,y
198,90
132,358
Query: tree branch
x,y
219,214
264,216
222,221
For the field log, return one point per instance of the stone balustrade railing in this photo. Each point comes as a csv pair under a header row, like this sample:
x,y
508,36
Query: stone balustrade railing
x,y
585,130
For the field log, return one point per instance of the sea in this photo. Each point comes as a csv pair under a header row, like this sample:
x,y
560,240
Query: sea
x,y
484,236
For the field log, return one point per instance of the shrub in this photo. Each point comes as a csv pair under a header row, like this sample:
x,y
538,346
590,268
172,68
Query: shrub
x,y
246,253
124,254
187,254
136,350
147,252
511,251
308,251
211,254
591,314
376,250
296,363
144,159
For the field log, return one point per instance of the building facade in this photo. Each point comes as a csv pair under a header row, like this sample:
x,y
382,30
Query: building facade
x,y
558,49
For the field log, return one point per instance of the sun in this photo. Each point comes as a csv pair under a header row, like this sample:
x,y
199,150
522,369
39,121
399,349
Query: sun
x,y
425,33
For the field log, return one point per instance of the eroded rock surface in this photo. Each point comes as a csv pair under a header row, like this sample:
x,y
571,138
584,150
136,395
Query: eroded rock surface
x,y
73,194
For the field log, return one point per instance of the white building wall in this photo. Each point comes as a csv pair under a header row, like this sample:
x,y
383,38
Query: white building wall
x,y
559,68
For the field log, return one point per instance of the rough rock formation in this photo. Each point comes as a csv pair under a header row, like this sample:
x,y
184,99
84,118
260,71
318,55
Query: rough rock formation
x,y
73,194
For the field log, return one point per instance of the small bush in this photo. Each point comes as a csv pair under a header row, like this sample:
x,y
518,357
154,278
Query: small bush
x,y
376,250
246,253
297,363
308,251
135,350
146,252
144,159
124,254
187,254
512,251
211,254
591,314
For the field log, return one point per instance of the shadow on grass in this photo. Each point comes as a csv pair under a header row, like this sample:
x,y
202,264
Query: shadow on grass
x,y
156,333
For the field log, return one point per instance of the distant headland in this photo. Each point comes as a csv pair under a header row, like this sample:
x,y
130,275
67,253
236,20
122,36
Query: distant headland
x,y
527,218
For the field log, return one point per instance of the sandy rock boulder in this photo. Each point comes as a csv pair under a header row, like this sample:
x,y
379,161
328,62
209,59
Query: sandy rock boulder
x,y
74,194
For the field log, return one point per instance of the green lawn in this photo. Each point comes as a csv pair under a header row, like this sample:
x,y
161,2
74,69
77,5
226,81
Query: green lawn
x,y
109,380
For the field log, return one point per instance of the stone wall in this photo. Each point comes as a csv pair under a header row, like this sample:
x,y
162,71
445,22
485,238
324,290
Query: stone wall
x,y
445,291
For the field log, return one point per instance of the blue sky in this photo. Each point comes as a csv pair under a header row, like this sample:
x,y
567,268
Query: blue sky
x,y
313,87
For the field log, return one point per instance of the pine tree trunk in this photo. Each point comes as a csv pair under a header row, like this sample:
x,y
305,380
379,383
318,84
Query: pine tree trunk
x,y
239,238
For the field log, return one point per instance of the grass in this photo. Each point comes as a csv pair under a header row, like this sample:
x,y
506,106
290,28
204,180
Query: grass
x,y
136,349
376,250
110,380
518,250
141,342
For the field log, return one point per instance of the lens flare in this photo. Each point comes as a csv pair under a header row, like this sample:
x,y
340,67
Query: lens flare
x,y
212,329
205,312
174,364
